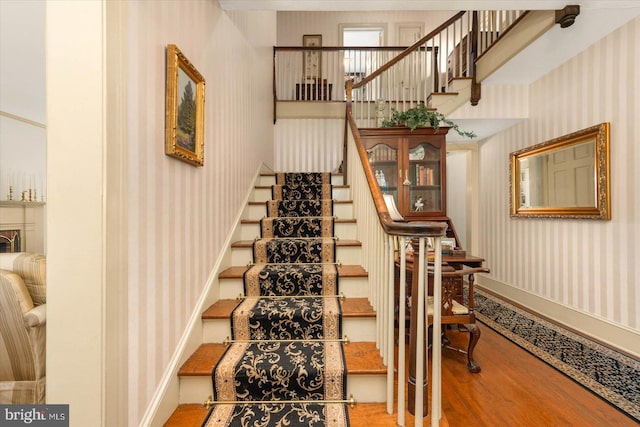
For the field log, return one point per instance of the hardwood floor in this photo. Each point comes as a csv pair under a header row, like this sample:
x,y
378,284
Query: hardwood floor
x,y
513,389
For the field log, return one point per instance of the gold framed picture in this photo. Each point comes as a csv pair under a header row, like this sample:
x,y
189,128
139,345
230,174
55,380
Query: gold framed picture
x,y
184,105
312,59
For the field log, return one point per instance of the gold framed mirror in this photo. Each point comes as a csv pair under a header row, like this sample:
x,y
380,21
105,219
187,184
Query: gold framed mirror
x,y
566,177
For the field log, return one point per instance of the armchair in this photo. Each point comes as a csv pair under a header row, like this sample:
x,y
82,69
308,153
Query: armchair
x,y
22,328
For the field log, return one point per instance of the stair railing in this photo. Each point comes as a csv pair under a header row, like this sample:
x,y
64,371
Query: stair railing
x,y
428,66
381,239
389,76
456,43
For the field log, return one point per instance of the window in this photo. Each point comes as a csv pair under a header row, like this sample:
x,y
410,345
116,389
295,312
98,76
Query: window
x,y
358,62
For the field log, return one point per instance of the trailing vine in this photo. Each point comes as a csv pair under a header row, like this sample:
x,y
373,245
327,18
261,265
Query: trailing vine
x,y
420,116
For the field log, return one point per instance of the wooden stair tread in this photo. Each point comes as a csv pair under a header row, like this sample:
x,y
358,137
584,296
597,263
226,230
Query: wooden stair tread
x,y
362,414
351,307
362,358
220,309
203,360
237,272
357,307
339,242
445,94
187,415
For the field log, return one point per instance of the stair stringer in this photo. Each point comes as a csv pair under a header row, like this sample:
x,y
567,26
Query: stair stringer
x,y
447,102
166,398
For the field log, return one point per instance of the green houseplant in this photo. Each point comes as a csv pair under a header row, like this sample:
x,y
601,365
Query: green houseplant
x,y
420,116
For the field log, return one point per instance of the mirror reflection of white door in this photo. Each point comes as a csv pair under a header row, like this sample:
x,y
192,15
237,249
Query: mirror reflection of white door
x,y
525,199
571,176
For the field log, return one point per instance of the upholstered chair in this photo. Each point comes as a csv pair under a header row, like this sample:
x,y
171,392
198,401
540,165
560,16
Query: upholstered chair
x,y
22,328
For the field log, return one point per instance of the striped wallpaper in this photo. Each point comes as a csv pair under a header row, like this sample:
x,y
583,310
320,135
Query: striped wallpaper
x,y
574,266
292,25
180,215
308,144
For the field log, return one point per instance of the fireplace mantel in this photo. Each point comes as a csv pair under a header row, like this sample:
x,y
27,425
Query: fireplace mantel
x,y
29,219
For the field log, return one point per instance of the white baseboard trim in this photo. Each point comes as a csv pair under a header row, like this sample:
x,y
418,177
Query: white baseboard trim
x,y
602,330
166,396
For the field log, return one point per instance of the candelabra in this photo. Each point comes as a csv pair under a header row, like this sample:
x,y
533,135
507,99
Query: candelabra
x,y
28,195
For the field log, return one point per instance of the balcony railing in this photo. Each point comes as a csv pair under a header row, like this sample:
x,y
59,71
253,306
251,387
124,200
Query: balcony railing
x,y
333,66
389,77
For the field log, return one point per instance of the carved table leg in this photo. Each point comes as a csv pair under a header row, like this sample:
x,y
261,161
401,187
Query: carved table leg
x,y
474,336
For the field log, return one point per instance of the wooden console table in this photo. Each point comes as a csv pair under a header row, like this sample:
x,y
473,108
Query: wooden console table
x,y
314,91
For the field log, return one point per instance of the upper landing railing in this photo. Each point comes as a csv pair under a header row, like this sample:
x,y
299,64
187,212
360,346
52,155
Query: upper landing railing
x,y
396,75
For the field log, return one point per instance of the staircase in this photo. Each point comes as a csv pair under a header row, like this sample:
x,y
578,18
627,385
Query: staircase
x,y
366,374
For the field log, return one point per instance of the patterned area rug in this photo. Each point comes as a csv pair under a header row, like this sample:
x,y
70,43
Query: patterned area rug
x,y
611,375
285,365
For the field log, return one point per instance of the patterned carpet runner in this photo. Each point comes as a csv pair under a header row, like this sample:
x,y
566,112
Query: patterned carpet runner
x,y
286,355
613,376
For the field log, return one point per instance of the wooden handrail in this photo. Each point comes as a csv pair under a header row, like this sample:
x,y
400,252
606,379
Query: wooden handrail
x,y
338,48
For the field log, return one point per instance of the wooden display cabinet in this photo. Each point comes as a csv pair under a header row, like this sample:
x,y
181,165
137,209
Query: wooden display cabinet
x,y
411,166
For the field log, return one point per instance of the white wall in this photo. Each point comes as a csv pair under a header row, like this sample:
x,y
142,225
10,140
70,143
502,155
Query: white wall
x,y
303,145
76,353
580,272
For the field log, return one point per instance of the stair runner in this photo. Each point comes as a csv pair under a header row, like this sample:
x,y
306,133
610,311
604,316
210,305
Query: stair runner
x,y
285,364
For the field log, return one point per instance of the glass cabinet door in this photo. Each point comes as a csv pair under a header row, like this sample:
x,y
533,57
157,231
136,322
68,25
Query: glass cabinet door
x,y
424,172
384,162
